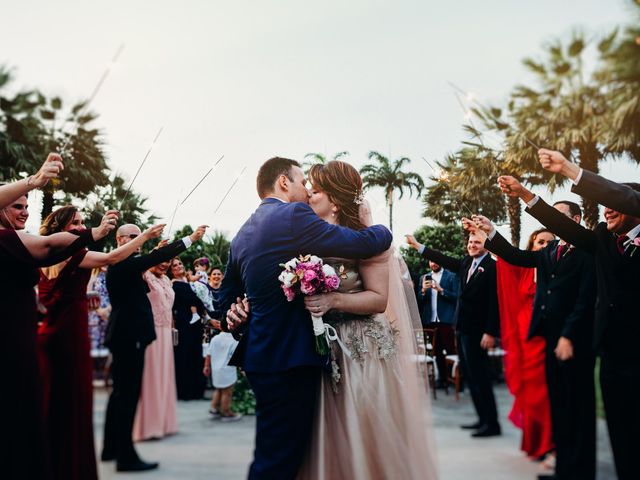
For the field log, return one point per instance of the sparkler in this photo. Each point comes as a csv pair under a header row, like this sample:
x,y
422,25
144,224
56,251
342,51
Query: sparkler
x,y
175,210
202,179
230,188
471,98
93,95
443,176
140,167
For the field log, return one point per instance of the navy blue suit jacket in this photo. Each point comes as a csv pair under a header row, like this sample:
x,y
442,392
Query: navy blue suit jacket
x,y
279,334
446,301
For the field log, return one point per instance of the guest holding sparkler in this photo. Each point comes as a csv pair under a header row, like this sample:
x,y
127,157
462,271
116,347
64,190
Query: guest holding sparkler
x,y
64,346
24,452
130,330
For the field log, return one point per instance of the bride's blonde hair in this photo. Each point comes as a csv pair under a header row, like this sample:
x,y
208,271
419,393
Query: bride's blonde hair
x,y
343,185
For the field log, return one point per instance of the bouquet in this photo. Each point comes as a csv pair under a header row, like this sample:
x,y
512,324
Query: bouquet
x,y
308,275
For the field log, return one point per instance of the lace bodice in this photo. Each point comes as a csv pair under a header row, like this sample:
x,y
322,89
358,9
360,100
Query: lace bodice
x,y
363,335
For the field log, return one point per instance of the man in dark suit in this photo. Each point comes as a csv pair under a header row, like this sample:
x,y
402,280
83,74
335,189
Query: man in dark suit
x,y
130,330
563,315
277,348
477,325
614,244
437,298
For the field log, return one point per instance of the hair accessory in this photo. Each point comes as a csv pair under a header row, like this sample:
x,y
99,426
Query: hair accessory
x,y
359,198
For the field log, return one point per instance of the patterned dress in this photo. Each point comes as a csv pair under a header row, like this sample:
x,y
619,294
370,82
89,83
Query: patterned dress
x,y
370,423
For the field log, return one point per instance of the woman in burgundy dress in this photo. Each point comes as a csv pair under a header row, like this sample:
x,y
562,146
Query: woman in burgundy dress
x,y
64,348
23,452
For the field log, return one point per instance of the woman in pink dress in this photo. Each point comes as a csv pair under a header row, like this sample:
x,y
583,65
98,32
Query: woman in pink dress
x,y
156,415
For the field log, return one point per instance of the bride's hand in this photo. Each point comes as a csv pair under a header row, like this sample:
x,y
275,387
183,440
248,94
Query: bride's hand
x,y
365,213
318,305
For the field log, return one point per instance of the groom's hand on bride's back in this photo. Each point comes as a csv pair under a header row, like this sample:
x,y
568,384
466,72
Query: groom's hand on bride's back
x,y
238,314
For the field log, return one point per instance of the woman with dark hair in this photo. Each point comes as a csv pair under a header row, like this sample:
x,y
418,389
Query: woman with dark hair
x,y
373,367
190,382
64,347
524,362
23,449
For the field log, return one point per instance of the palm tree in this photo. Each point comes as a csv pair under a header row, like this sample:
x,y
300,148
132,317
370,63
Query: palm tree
x,y
32,125
621,73
391,177
314,158
465,184
567,112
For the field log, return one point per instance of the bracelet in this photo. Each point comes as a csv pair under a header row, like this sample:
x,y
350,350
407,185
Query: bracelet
x,y
29,179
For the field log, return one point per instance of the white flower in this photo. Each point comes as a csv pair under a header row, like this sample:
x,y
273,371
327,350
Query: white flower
x,y
314,259
291,264
286,278
328,271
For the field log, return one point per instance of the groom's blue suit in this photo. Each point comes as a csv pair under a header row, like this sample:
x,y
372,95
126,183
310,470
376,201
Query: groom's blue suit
x,y
277,349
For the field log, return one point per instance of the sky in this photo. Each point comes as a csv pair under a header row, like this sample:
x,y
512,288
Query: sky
x,y
250,80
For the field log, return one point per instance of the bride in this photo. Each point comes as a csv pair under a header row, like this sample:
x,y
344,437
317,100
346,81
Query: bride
x,y
373,415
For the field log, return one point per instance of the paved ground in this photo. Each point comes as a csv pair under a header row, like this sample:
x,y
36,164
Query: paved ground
x,y
210,450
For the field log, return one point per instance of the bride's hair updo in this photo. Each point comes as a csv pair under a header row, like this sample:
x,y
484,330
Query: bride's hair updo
x,y
343,185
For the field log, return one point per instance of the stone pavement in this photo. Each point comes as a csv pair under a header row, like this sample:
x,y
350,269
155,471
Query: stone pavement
x,y
210,450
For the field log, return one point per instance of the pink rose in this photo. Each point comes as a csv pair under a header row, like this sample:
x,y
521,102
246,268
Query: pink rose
x,y
636,241
307,288
310,275
332,282
289,293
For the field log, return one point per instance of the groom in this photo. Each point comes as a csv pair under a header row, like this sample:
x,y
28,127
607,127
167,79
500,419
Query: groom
x,y
277,349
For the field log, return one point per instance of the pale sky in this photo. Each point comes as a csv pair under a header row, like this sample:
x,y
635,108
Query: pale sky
x,y
255,79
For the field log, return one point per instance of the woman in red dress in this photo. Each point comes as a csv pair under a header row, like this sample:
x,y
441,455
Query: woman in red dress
x,y
64,348
23,452
524,360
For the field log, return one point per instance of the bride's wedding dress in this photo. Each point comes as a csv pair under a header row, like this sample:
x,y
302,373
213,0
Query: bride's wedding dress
x,y
374,415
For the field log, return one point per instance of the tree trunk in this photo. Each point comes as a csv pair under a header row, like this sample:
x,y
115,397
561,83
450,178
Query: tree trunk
x,y
514,211
47,203
589,157
390,202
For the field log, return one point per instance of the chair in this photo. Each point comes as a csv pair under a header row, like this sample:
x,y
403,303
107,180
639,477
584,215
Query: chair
x,y
454,373
424,357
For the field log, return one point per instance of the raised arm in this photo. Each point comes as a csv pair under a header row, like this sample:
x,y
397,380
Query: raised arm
x,y
621,198
565,228
100,259
568,230
314,235
52,249
166,253
372,300
450,263
50,169
618,197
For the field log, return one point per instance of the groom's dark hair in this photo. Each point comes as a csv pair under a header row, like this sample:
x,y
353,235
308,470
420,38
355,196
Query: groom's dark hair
x,y
270,171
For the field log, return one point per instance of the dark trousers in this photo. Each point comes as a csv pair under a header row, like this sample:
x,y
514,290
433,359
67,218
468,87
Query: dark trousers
x,y
573,412
285,408
126,370
476,370
444,341
620,382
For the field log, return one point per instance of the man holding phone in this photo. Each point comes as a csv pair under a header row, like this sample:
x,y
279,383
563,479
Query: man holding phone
x,y
437,298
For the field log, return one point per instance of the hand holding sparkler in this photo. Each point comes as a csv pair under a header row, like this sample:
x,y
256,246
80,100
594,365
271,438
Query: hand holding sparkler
x,y
513,188
413,243
198,233
50,169
556,162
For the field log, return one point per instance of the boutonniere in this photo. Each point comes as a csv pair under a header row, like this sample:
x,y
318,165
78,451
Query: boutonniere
x,y
480,270
635,243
